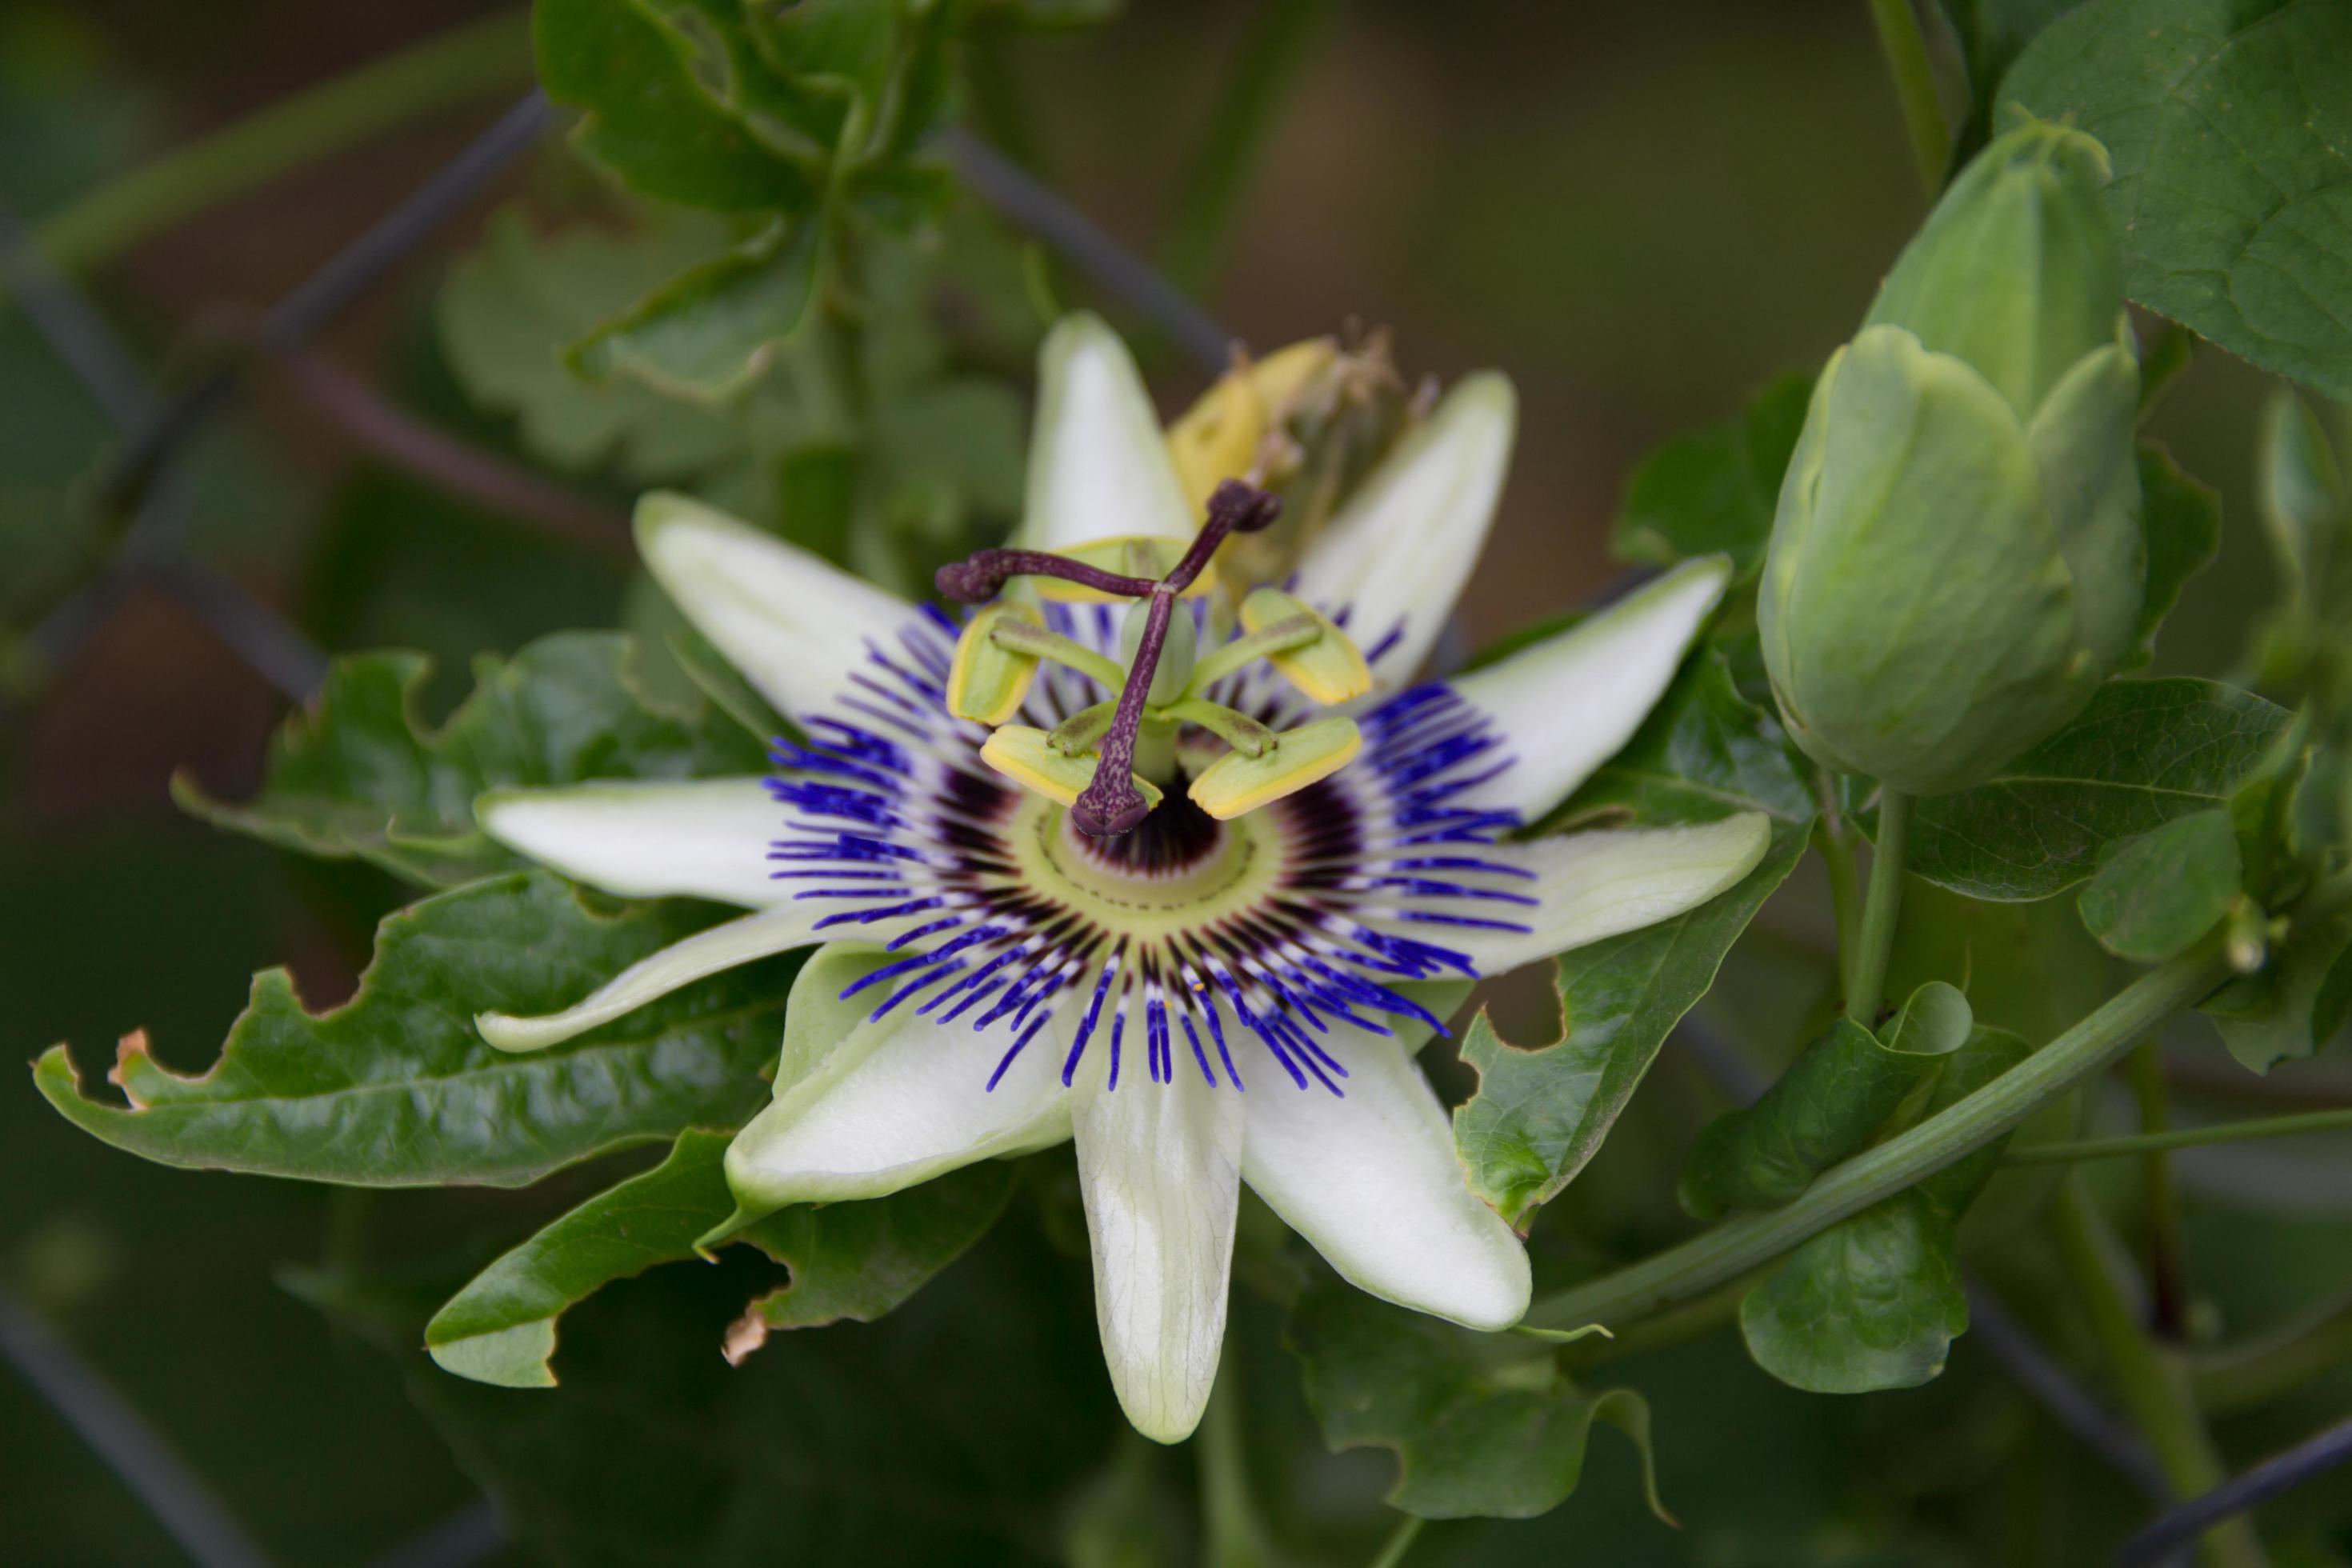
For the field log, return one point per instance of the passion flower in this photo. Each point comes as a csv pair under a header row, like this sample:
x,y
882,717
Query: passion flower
x,y
1231,840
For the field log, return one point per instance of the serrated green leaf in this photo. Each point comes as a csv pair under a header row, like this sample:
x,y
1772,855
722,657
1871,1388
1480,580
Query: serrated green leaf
x,y
2142,753
2227,125
1716,488
396,1088
2183,521
1541,1113
1841,1089
2155,895
705,333
2296,1003
650,118
1481,1425
855,1260
360,772
511,304
1875,1300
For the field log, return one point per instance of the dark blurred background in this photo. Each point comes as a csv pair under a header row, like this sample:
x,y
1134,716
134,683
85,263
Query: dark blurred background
x,y
1641,213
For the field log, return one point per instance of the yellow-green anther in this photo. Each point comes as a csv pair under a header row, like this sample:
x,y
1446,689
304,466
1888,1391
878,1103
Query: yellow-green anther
x,y
1328,668
1236,784
990,680
1239,731
1081,730
1026,755
1279,637
1022,636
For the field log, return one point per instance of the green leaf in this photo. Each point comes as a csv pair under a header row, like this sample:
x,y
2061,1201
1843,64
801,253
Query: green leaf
x,y
509,307
1541,1113
2183,519
2227,124
1841,1089
856,1260
360,773
648,117
709,332
2155,895
1482,1425
396,1088
2296,1003
2142,753
1716,488
1875,1300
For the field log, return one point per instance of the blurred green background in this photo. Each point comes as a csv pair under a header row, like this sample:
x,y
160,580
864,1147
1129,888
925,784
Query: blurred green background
x,y
1641,213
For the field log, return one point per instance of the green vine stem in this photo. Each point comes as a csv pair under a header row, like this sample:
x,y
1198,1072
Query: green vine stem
x,y
2182,1138
2152,1383
1737,1246
490,55
1915,86
1880,905
1834,839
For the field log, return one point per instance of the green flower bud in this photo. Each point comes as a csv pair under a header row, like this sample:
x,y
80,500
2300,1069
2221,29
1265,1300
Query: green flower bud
x,y
1958,559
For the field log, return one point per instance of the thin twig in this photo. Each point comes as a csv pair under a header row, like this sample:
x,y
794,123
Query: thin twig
x,y
1037,210
197,1520
275,648
451,464
2280,1473
318,298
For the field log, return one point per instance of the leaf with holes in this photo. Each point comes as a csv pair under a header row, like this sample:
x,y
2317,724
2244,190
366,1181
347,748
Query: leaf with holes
x,y
855,1260
360,772
2142,753
397,1089
1482,1425
1541,1113
2228,125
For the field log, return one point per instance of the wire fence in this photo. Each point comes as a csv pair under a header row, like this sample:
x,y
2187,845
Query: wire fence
x,y
133,533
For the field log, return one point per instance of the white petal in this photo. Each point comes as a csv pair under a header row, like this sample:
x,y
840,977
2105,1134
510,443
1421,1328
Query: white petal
x,y
794,623
1601,883
1159,1168
1570,702
705,952
703,839
1400,548
1098,464
1374,1182
900,1100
